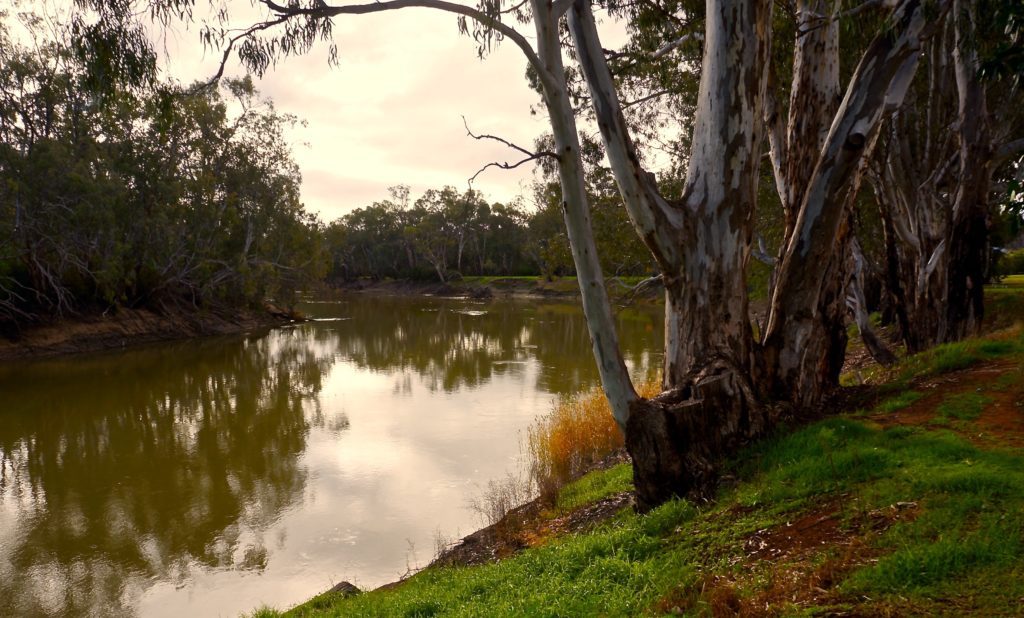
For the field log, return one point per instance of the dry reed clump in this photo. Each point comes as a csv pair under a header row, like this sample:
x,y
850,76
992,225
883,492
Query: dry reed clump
x,y
577,433
501,497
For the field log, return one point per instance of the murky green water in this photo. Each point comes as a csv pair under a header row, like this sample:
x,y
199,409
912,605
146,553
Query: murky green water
x,y
206,478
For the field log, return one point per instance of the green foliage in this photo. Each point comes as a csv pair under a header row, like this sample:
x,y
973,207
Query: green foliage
x,y
147,197
1010,263
446,234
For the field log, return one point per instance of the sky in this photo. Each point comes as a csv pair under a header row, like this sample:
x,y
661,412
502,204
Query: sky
x,y
392,111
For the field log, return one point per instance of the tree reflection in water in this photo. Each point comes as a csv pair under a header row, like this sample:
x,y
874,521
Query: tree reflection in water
x,y
453,344
183,463
124,473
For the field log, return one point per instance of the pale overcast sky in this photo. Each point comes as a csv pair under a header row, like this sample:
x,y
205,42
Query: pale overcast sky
x,y
391,112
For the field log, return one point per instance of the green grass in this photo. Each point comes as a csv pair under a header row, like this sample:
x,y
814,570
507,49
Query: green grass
x,y
970,527
595,486
963,406
959,551
899,402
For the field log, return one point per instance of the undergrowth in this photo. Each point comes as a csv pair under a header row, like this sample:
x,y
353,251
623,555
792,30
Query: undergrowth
x,y
923,522
576,434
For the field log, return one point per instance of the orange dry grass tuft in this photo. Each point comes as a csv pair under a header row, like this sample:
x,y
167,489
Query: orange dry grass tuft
x,y
579,432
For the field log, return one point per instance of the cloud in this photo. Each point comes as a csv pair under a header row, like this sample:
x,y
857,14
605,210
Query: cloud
x,y
391,112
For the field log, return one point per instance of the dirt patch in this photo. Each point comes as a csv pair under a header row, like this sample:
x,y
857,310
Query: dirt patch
x,y
529,526
130,327
809,532
795,564
1001,422
823,528
579,520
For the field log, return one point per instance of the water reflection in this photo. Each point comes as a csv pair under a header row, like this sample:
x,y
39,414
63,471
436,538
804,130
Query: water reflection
x,y
147,464
209,477
453,344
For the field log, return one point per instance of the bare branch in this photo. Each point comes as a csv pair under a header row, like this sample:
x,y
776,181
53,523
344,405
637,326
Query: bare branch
x,y
671,45
470,133
530,156
324,10
231,44
653,95
506,165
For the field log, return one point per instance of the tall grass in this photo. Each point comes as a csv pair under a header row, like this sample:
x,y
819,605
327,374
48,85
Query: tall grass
x,y
577,433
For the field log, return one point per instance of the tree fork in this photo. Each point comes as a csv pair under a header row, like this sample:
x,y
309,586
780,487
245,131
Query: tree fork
x,y
677,439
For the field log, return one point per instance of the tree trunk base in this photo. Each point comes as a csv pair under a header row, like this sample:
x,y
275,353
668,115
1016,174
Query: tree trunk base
x,y
677,439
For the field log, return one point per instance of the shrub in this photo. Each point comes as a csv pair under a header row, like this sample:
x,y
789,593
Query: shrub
x,y
577,433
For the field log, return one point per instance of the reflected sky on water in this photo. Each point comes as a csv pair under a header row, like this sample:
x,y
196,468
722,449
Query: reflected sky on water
x,y
209,477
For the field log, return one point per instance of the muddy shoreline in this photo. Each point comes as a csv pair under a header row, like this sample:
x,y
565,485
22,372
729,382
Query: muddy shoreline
x,y
133,327
536,288
130,328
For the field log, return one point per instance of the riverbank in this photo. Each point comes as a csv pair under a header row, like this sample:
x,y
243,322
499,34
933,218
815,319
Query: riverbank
x,y
131,327
485,288
907,498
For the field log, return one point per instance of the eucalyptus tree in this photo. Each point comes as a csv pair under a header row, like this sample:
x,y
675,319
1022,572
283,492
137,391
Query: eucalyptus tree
x,y
933,178
144,197
722,387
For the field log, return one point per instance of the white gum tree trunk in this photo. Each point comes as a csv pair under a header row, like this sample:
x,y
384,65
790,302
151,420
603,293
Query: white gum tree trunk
x,y
575,209
799,351
701,245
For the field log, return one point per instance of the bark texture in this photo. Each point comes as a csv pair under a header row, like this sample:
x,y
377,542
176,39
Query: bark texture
x,y
933,180
677,439
802,335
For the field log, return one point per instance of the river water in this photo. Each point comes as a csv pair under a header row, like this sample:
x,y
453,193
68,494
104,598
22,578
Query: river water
x,y
209,477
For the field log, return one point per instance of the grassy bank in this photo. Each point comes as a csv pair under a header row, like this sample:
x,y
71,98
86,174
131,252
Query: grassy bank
x,y
909,501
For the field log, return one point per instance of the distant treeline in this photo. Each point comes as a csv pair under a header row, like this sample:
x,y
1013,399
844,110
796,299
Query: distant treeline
x,y
153,197
446,234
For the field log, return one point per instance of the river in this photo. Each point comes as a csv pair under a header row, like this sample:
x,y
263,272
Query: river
x,y
209,477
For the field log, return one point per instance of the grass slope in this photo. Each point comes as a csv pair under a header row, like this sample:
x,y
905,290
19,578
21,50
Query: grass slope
x,y
913,506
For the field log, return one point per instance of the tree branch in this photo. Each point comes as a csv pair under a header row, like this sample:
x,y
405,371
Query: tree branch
x,y
653,95
324,10
671,45
656,221
530,156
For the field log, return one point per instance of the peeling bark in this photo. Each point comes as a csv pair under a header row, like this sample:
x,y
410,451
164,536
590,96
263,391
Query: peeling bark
x,y
932,181
575,208
802,333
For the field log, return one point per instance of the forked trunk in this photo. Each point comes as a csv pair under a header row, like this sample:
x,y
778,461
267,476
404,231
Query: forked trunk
x,y
805,339
702,247
677,439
